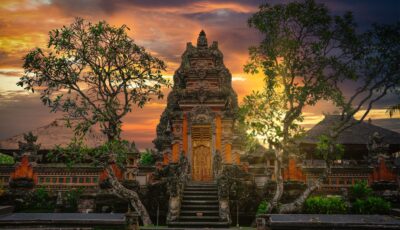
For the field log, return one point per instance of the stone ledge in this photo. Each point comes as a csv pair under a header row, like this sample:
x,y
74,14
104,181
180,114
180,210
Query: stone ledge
x,y
326,222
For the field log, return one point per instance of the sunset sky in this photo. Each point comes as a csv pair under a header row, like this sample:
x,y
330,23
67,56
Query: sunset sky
x,y
163,27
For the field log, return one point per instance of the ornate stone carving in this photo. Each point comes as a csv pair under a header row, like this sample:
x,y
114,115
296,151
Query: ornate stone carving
x,y
201,115
202,40
376,147
28,148
217,164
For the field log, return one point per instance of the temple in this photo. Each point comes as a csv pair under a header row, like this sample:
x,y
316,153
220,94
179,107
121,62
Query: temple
x,y
199,117
198,138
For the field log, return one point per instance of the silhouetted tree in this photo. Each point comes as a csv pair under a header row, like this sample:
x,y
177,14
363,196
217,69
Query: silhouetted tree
x,y
305,56
95,72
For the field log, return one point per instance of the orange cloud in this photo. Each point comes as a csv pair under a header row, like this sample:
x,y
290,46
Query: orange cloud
x,y
162,27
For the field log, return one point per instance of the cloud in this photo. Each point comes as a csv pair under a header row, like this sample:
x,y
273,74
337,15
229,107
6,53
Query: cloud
x,y
163,28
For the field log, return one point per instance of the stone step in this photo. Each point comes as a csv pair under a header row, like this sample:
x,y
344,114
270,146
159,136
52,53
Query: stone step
x,y
205,212
198,224
201,186
200,202
199,218
200,197
202,183
200,189
200,207
200,193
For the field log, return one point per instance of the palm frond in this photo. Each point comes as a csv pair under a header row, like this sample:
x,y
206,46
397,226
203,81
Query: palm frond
x,y
393,109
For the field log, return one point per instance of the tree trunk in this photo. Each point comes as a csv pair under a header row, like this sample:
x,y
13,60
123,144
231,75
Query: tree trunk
x,y
279,182
119,190
297,205
112,131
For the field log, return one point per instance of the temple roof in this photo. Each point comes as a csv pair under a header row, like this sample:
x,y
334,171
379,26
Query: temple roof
x,y
55,133
202,40
357,134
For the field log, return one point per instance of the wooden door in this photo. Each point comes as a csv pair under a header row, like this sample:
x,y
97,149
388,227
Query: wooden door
x,y
201,163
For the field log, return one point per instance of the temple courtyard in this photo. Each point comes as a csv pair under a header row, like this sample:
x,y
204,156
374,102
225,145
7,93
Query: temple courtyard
x,y
296,125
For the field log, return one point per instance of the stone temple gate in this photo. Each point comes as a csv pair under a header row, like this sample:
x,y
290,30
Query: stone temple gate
x,y
199,118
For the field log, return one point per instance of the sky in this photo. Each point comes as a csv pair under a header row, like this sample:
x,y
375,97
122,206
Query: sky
x,y
163,27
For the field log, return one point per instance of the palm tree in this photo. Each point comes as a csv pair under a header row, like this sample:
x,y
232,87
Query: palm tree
x,y
393,109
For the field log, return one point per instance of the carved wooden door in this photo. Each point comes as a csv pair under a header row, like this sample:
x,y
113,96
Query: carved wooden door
x,y
201,164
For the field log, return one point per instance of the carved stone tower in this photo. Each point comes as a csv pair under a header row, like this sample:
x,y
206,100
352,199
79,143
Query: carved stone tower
x,y
200,112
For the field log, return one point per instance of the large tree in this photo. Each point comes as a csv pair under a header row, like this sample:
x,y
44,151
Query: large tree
x,y
305,56
97,73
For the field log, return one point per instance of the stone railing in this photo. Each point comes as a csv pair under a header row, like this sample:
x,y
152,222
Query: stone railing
x,y
223,195
223,198
176,185
336,164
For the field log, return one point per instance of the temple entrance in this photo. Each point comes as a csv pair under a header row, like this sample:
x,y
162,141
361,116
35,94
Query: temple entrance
x,y
201,160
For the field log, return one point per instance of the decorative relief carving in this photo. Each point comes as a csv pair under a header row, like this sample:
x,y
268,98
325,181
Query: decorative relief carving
x,y
201,115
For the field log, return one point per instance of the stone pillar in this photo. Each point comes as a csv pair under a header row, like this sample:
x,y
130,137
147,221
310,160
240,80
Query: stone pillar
x,y
218,132
213,138
189,154
185,134
132,220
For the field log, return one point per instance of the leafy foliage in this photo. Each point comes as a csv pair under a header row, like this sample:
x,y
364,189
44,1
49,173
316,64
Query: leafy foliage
x,y
6,159
360,190
307,55
262,207
76,152
298,59
146,158
94,72
371,205
71,199
38,200
328,149
325,205
364,202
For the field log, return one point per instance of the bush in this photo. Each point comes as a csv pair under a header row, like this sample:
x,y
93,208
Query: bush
x,y
325,205
371,205
146,158
360,190
71,199
38,200
6,159
262,207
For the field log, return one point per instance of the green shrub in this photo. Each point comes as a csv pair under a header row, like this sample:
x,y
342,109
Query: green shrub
x,y
262,207
146,158
360,190
71,199
41,199
325,205
6,159
371,205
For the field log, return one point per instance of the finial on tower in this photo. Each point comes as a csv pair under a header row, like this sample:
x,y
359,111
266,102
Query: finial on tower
x,y
202,40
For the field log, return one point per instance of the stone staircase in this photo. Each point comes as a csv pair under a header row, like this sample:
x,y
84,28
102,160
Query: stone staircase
x,y
200,207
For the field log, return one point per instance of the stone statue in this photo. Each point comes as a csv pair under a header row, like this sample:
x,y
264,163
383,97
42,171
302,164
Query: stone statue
x,y
202,40
183,163
28,148
376,146
217,164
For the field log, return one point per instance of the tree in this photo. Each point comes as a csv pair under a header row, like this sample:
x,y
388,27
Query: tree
x,y
393,109
305,56
375,68
95,72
